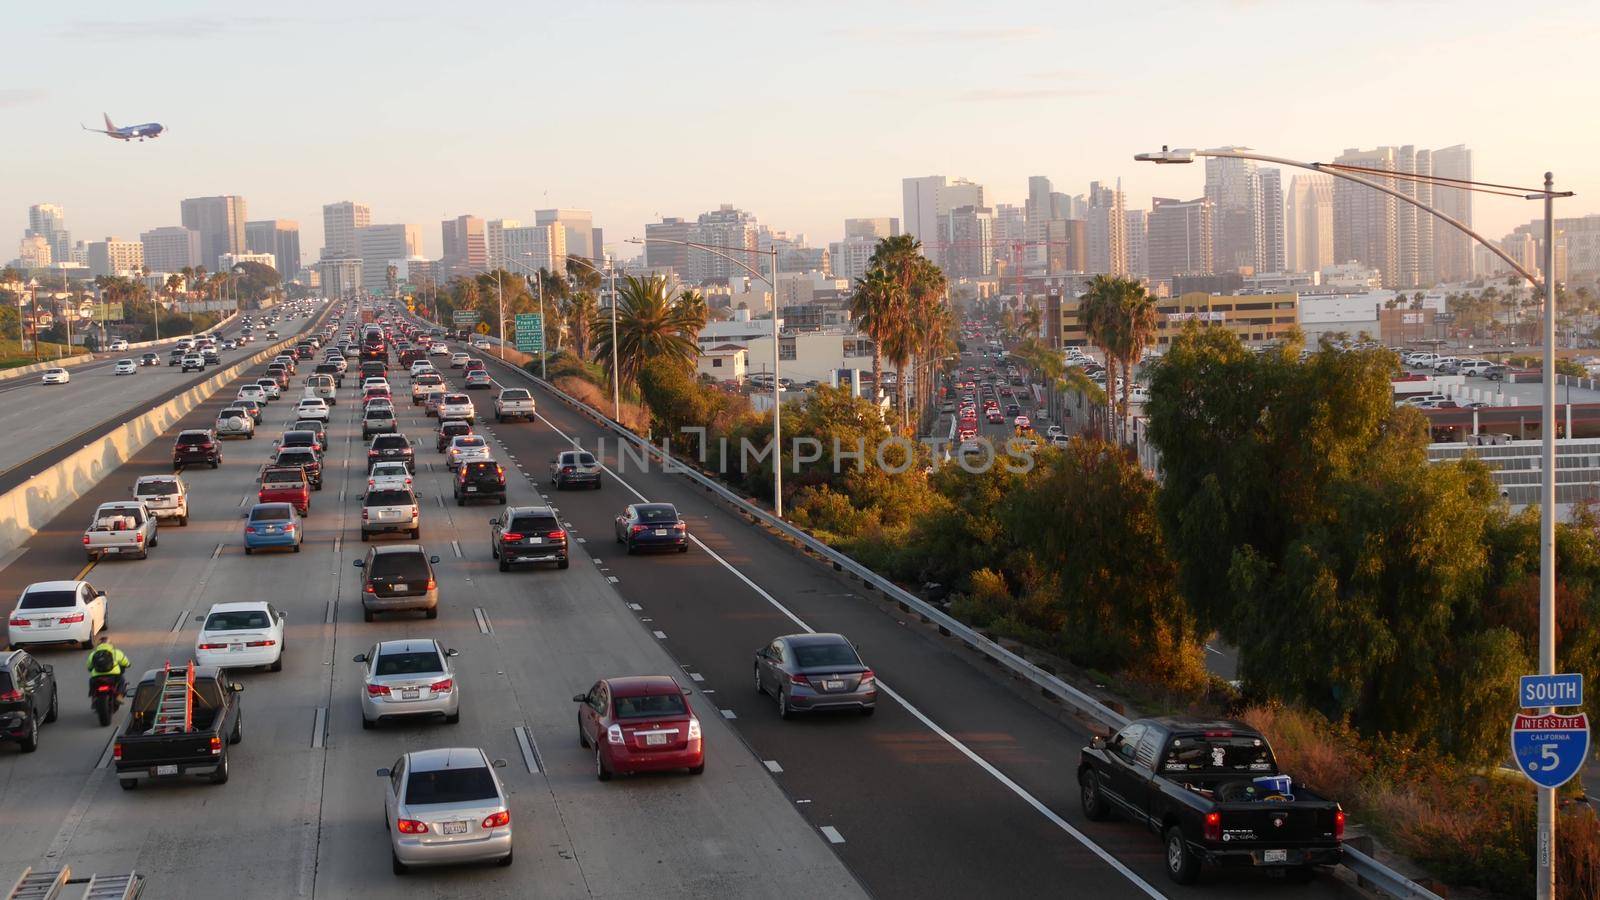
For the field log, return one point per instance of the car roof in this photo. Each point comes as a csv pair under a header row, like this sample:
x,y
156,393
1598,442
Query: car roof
x,y
447,758
388,549
527,511
238,606
276,504
656,506
643,685
407,645
815,640
53,586
1195,723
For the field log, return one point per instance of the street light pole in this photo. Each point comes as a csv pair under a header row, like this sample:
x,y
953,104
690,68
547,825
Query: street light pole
x,y
616,371
500,290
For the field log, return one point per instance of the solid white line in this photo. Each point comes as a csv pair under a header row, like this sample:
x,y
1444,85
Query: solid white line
x,y
217,552
966,751
613,579
729,714
319,726
524,741
336,545
772,766
177,623
660,635
456,546
832,834
483,620
111,743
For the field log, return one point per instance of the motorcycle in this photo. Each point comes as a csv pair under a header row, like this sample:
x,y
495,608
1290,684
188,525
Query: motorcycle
x,y
105,696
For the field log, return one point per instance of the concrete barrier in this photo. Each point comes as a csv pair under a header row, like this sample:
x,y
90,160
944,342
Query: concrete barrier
x,y
31,505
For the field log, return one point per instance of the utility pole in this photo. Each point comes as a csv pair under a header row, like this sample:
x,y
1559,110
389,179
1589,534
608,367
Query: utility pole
x,y
1545,852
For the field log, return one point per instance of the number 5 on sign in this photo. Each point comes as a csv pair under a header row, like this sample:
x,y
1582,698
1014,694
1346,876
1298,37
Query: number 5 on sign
x,y
1550,749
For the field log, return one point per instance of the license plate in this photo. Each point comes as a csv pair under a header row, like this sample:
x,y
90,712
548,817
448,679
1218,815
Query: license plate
x,y
661,532
1275,856
235,648
536,540
400,586
166,770
833,685
472,490
655,739
410,693
454,828
111,550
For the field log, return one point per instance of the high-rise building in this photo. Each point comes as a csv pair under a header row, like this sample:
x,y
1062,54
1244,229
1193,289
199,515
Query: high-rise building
x,y
537,247
1037,207
849,258
1066,245
723,227
1364,219
579,224
1273,258
928,200
466,251
1308,227
1106,225
49,221
967,237
876,228
1138,246
1413,229
1010,236
113,256
494,239
1179,237
220,221
340,275
340,222
1452,250
378,246
170,249
33,252
1234,188
279,237
667,255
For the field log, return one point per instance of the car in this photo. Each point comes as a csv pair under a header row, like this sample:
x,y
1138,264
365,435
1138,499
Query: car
x,y
527,534
398,578
1013,410
235,421
446,807
481,344
457,406
253,392
995,418
150,359
229,345
378,421
303,457
282,484
303,437
125,367
376,403
375,381
196,445
815,672
175,357
389,511
431,402
165,496
478,378
391,448
279,373
464,448
652,526
287,360
271,388
253,407
322,387
241,635
639,723
422,384
439,350
479,480
1023,423
421,367
575,467
28,698
192,362
55,376
389,476
311,408
377,393
457,360
447,430
118,345
121,528
59,612
406,679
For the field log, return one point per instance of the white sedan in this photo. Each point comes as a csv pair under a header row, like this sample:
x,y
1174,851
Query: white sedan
x,y
239,635
438,350
312,408
389,476
55,376
253,392
125,367
51,612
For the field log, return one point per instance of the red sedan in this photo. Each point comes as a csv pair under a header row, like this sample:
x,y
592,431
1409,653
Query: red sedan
x,y
640,723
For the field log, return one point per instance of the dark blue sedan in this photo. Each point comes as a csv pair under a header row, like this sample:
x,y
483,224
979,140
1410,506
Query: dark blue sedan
x,y
652,526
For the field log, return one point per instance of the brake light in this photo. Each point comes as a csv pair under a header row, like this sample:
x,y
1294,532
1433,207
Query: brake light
x,y
635,529
138,538
411,826
261,643
289,528
206,446
116,750
614,735
694,729
440,687
369,588
431,584
1219,734
681,526
11,696
216,746
566,470
86,540
17,622
868,679
513,536
377,690
800,680
73,619
1338,824
104,688
557,535
497,820
1213,826
212,647
249,529
363,514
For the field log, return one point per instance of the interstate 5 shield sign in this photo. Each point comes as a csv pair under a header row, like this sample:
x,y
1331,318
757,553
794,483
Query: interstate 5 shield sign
x,y
1550,749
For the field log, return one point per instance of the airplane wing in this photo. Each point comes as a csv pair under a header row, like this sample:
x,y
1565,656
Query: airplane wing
x,y
95,130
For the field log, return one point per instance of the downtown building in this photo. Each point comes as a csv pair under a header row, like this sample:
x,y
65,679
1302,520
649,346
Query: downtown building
x,y
380,245
1399,240
927,203
466,246
967,236
170,249
725,227
533,247
1106,224
1308,224
114,256
220,222
281,239
340,222
49,221
1179,237
582,238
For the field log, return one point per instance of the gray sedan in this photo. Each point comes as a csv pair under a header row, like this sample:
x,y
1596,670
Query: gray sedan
x,y
408,678
446,807
808,672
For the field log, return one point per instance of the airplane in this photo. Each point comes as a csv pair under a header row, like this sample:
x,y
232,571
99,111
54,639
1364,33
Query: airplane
x,y
147,130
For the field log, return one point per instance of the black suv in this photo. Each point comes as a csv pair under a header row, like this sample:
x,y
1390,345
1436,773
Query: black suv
x,y
27,698
302,437
304,458
528,534
378,421
480,480
197,445
397,578
391,448
450,429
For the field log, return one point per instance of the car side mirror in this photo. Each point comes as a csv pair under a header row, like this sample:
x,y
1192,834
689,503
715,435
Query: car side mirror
x,y
49,669
452,652
199,618
494,521
360,563
580,698
244,515
499,764
383,773
236,687
687,691
359,657
99,593
434,560
1097,742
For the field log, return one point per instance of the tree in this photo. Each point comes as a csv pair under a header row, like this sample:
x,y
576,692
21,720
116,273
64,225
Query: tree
x,y
872,305
651,323
1121,319
579,309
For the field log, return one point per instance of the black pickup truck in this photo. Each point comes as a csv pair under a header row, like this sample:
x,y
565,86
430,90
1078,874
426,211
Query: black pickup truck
x,y
1213,791
144,752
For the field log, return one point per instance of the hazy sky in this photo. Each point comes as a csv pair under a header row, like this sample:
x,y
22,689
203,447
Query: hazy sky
x,y
803,112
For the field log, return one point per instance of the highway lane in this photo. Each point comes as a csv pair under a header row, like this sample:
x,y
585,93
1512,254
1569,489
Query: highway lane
x,y
307,810
915,809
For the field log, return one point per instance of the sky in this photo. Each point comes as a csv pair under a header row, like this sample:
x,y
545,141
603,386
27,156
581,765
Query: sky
x,y
804,113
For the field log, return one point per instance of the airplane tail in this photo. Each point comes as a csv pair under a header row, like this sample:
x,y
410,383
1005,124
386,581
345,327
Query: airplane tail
x,y
109,126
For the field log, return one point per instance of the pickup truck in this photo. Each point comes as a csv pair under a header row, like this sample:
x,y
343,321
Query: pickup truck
x,y
120,528
166,496
513,403
1213,791
156,745
285,484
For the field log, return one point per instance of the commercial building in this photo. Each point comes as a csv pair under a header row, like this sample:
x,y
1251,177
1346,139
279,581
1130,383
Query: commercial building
x,y
674,256
1452,250
581,235
1392,236
723,227
380,245
279,237
1106,228
1413,227
340,276
227,261
536,247
1234,188
1179,237
812,355
1138,231
494,240
466,249
1273,253
113,256
927,201
49,221
1258,320
850,257
875,228
967,235
1309,224
340,222
33,252
170,249
220,222
1066,245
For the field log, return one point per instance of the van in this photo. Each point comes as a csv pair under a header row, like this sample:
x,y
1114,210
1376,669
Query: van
x,y
323,387
1474,367
1424,360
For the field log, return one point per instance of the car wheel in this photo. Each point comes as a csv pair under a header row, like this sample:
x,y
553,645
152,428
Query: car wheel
x,y
30,742
88,644
1090,798
698,770
297,547
563,563
583,739
238,731
1182,866
55,707
155,542
399,867
366,615
597,483
504,566
365,536
600,770
220,776
433,613
461,501
248,551
759,688
277,664
367,724
183,521
683,548
416,534
453,719
129,784
630,547
867,711
504,861
784,712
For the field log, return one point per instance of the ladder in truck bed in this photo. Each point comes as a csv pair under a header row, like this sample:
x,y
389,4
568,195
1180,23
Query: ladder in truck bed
x,y
60,885
175,706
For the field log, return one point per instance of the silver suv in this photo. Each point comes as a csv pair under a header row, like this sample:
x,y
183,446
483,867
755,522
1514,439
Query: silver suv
x,y
390,511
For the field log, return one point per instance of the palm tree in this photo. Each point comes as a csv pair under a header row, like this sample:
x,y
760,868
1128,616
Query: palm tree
x,y
1032,319
1121,319
872,304
579,310
651,324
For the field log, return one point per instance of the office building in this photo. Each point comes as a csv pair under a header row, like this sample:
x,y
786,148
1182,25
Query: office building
x,y
876,228
968,238
1380,231
928,200
1179,237
494,240
850,257
220,222
723,227
115,257
674,256
579,225
1273,258
227,261
466,250
340,276
170,249
1258,320
1413,227
1106,224
1138,247
419,273
537,247
1066,245
1452,250
380,245
280,238
49,221
33,252
340,222
1308,227
1234,188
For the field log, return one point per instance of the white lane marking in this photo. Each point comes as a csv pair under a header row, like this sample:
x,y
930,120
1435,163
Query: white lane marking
x,y
525,742
440,498
772,766
660,635
217,552
1214,650
963,749
483,620
832,834
341,495
583,540
336,545
596,560
177,624
635,607
327,618
729,714
242,500
111,744
456,546
696,676
613,579
319,727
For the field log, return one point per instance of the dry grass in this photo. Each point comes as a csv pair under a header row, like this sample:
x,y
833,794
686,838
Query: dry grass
x,y
1315,751
634,416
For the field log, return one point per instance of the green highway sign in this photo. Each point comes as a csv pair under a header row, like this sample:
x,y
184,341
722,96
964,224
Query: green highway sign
x,y
530,333
462,318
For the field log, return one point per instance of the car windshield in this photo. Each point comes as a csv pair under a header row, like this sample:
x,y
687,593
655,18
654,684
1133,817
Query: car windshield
x,y
299,438
650,706
822,655
581,459
657,514
282,476
378,412
271,513
453,430
456,398
390,442
296,457
410,663
49,600
193,437
1218,755
391,468
237,620
158,487
451,786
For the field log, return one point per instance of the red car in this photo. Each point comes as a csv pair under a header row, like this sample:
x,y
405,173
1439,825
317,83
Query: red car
x,y
641,723
285,484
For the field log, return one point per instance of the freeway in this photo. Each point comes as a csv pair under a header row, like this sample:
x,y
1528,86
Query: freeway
x,y
301,815
961,777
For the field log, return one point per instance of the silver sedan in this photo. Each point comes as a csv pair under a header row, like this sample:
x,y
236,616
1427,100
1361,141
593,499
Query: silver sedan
x,y
446,807
408,678
808,672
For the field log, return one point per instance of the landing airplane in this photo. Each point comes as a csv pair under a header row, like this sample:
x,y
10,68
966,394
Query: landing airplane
x,y
147,130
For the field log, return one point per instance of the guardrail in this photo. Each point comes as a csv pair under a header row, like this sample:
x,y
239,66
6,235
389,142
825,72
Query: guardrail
x,y
1367,870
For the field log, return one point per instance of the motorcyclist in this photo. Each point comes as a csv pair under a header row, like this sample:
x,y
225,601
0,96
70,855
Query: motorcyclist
x,y
106,660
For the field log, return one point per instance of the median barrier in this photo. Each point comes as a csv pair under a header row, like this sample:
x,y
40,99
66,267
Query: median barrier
x,y
85,358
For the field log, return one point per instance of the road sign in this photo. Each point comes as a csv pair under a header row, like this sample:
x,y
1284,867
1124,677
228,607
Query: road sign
x,y
530,332
463,318
483,328
1550,749
1539,691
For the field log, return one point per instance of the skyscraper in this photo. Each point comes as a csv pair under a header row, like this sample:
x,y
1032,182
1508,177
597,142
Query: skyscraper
x,y
279,237
875,228
340,221
1452,250
170,249
1065,243
927,200
379,245
1272,237
33,252
537,247
665,255
1413,227
1364,219
49,221
579,224
1179,241
220,221
722,227
1234,188
466,251
494,239
1309,224
968,238
1106,225
1138,248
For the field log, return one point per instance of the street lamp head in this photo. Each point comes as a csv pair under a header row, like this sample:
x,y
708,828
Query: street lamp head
x,y
1166,157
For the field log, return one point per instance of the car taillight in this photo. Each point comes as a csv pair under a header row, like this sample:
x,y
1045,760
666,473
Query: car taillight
x,y
800,680
86,540
206,446
694,729
1338,824
212,647
431,584
377,690
18,622
566,470
1213,826
868,679
363,514
635,529
216,745
11,696
289,528
73,619
372,453
116,750
261,643
497,820
557,535
514,536
681,526
441,687
138,538
411,826
614,735
368,588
